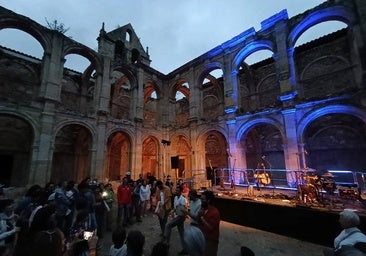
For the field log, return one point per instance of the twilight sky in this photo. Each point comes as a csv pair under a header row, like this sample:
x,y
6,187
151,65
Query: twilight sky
x,y
175,31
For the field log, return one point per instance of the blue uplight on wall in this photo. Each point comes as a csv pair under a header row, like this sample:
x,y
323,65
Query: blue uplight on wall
x,y
332,13
251,48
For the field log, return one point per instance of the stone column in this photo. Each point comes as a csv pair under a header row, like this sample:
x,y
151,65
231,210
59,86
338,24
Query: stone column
x,y
98,152
136,153
102,100
231,92
42,152
237,155
292,160
51,81
194,97
139,100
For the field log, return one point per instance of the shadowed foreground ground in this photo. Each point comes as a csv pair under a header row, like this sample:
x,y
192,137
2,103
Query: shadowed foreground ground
x,y
232,237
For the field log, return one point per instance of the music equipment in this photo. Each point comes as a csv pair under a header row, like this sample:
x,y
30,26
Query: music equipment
x,y
308,193
174,162
348,192
263,178
311,179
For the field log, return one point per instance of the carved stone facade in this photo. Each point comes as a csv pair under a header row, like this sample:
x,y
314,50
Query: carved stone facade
x,y
303,107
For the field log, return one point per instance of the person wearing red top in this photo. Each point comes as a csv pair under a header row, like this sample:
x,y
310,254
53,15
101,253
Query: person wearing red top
x,y
209,222
124,199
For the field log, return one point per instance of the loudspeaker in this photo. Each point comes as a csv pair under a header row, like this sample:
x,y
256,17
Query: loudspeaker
x,y
174,161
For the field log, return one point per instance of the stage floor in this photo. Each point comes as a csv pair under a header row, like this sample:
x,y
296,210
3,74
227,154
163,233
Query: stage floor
x,y
281,211
291,198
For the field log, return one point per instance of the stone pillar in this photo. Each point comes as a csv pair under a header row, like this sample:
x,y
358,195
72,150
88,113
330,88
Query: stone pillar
x,y
51,81
285,65
195,162
292,160
136,153
103,83
42,152
237,159
163,105
194,98
139,99
98,152
230,85
231,92
359,41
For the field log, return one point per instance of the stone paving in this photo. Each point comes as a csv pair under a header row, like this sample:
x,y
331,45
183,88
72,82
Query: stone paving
x,y
232,237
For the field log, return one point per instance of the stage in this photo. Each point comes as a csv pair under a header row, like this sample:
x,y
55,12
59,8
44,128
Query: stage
x,y
284,212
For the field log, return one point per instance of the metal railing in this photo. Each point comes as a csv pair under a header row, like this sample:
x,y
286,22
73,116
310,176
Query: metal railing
x,y
284,179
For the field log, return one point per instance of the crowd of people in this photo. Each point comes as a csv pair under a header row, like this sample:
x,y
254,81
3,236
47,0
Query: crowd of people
x,y
66,218
70,219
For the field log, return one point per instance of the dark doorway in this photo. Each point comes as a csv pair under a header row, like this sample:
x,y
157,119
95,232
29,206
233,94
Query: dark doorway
x,y
6,166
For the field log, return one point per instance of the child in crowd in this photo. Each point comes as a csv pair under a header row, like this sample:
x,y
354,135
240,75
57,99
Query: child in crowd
x,y
119,248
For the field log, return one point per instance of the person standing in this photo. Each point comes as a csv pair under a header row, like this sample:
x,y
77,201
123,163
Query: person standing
x,y
7,223
86,200
194,206
180,213
63,207
208,220
145,193
109,199
136,204
163,197
124,199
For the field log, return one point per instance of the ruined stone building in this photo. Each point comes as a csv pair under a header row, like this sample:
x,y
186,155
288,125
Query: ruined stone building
x,y
303,107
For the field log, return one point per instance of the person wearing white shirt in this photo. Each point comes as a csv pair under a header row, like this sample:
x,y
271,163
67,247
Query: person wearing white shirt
x,y
194,206
145,193
180,213
346,242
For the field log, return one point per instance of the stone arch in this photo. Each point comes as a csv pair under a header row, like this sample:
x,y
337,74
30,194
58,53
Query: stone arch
x,y
64,123
181,147
263,136
336,13
17,139
151,105
249,49
149,87
212,92
71,158
242,131
206,71
216,150
181,106
85,52
335,140
123,85
342,14
40,33
150,156
118,155
178,86
86,81
332,109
